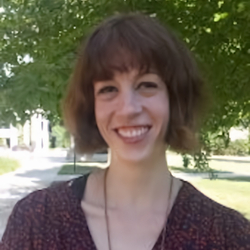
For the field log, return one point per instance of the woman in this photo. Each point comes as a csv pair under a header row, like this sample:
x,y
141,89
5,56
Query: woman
x,y
136,90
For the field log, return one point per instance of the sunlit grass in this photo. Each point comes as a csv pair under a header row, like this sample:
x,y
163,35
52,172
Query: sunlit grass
x,y
221,164
233,192
80,168
231,166
8,165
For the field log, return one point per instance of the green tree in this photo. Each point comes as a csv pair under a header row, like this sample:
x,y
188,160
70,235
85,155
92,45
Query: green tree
x,y
40,40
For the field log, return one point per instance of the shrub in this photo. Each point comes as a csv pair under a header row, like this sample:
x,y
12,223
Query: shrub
x,y
238,147
61,137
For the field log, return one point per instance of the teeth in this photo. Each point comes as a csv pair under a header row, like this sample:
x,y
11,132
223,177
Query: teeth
x,y
132,132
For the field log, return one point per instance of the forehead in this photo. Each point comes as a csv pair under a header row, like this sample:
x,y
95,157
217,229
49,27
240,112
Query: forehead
x,y
132,75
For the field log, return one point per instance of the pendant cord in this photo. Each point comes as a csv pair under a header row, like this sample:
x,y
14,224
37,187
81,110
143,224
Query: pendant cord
x,y
167,213
106,211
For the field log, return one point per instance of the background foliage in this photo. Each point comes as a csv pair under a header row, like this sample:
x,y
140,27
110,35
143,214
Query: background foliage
x,y
61,137
39,41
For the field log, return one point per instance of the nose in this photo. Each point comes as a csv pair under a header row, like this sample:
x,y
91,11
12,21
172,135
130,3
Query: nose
x,y
129,104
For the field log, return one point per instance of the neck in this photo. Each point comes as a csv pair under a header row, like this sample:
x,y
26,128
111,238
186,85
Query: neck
x,y
140,185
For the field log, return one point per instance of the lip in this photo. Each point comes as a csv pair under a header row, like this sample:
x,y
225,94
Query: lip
x,y
132,126
134,139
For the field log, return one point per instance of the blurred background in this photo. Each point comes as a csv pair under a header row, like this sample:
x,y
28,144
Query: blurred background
x,y
38,47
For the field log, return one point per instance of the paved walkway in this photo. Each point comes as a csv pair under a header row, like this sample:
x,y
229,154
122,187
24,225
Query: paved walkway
x,y
39,171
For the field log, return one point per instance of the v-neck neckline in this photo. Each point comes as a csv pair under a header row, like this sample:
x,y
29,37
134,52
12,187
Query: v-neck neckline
x,y
80,212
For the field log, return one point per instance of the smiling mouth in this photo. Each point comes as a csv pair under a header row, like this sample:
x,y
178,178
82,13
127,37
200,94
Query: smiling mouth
x,y
132,134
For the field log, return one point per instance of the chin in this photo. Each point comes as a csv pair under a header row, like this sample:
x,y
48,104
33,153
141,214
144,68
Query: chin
x,y
132,155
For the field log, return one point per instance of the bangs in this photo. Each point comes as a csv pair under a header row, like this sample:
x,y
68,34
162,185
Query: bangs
x,y
123,46
119,59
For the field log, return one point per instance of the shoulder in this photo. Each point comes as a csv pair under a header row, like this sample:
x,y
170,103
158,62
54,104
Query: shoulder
x,y
34,214
38,202
216,221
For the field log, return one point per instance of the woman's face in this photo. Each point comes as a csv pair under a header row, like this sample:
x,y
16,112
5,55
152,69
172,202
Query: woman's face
x,y
132,114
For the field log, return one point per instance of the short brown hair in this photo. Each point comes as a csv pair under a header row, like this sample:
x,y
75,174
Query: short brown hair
x,y
119,44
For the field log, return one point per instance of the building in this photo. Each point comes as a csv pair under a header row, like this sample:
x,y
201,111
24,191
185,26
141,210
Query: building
x,y
33,135
8,136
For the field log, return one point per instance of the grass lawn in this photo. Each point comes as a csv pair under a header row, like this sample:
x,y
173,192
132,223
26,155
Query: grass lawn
x,y
231,166
233,192
81,168
8,165
216,163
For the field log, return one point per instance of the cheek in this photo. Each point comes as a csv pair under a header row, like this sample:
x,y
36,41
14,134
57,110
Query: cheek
x,y
160,107
161,113
165,104
164,115
98,113
102,114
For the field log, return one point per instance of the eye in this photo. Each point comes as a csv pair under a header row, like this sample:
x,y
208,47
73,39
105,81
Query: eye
x,y
107,89
147,85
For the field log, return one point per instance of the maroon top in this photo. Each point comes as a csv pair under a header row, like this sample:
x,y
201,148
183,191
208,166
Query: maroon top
x,y
52,219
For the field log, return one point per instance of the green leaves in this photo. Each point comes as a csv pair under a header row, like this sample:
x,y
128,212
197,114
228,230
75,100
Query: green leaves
x,y
49,32
220,16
